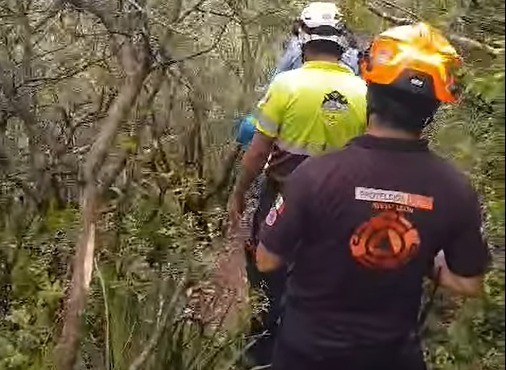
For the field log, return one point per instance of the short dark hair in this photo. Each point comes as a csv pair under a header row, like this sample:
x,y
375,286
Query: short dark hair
x,y
400,109
323,47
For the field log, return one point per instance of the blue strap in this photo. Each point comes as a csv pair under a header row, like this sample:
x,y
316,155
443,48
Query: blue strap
x,y
245,131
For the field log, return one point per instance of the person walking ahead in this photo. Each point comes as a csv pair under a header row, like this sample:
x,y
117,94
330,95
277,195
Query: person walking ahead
x,y
305,112
292,52
362,226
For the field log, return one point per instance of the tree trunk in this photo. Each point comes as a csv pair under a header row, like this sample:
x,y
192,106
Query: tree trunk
x,y
68,344
67,348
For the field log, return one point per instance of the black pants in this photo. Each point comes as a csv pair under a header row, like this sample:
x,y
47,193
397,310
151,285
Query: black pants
x,y
272,284
406,356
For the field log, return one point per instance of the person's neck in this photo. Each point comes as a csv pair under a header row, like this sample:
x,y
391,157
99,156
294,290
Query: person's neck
x,y
322,58
390,133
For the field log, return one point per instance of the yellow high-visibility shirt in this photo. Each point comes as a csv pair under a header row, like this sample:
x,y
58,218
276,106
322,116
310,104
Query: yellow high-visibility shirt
x,y
313,109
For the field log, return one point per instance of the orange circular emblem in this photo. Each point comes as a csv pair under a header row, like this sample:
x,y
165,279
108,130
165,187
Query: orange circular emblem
x,y
386,241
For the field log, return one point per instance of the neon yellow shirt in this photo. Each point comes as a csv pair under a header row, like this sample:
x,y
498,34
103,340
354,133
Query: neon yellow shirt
x,y
313,109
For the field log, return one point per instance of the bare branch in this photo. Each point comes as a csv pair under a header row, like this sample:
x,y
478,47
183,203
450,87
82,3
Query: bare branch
x,y
66,350
402,9
6,148
464,42
45,53
196,54
63,76
112,173
115,171
263,14
388,17
24,112
134,58
216,13
50,13
102,9
189,11
468,43
117,113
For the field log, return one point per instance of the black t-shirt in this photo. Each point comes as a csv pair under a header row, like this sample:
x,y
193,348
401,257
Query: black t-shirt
x,y
361,228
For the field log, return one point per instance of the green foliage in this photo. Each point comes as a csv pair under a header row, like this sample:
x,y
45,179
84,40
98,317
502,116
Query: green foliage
x,y
156,237
35,271
470,335
129,316
140,291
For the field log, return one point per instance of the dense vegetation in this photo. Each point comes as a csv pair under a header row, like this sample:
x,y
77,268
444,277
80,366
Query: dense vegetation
x,y
115,119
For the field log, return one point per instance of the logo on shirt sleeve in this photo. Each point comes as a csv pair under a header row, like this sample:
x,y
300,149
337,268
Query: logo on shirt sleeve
x,y
275,211
271,217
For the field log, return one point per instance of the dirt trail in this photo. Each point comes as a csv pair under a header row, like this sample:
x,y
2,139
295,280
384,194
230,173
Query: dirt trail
x,y
228,284
231,283
225,296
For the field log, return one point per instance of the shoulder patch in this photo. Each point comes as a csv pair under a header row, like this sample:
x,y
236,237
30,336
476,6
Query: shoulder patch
x,y
271,217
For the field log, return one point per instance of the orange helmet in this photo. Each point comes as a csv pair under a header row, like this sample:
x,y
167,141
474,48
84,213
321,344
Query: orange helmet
x,y
415,58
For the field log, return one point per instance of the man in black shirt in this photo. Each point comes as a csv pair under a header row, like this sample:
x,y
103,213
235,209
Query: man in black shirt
x,y
363,226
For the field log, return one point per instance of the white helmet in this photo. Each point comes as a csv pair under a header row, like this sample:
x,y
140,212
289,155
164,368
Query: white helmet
x,y
326,15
